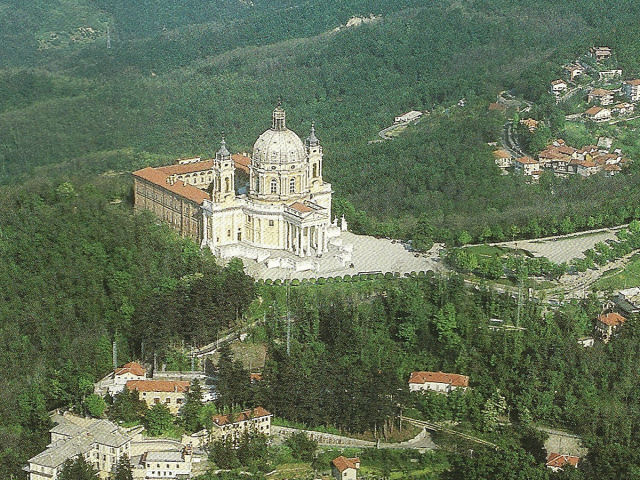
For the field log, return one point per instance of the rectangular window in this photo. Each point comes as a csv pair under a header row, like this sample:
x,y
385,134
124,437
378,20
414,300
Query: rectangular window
x,y
271,223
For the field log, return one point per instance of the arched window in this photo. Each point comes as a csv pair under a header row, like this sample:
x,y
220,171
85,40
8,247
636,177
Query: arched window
x,y
226,184
315,170
274,185
292,185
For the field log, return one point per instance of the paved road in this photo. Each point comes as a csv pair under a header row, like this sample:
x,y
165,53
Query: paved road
x,y
509,141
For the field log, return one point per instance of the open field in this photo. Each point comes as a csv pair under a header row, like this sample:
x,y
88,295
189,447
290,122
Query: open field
x,y
617,279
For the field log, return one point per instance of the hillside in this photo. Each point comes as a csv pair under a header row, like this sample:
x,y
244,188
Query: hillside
x,y
172,85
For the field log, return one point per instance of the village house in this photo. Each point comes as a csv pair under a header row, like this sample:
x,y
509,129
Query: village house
x,y
100,442
587,168
601,96
628,300
558,87
573,71
530,123
408,117
115,381
598,114
527,166
171,393
623,108
343,468
607,324
631,89
611,170
167,464
233,425
600,53
437,382
612,74
556,461
503,158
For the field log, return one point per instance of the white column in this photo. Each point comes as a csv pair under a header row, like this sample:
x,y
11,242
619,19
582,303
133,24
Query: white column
x,y
308,243
325,239
298,241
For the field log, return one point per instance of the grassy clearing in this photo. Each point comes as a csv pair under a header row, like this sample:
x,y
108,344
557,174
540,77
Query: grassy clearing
x,y
618,279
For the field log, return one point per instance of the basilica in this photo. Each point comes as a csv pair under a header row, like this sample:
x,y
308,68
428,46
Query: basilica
x,y
286,205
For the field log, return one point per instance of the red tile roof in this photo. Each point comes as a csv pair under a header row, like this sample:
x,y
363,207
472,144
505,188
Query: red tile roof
x,y
342,463
612,168
301,207
594,110
612,319
439,377
182,168
241,162
257,412
256,377
558,82
180,188
501,154
158,386
528,160
633,83
131,367
559,461
600,92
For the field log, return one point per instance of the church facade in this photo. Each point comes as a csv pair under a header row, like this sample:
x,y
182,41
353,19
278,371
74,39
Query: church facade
x,y
287,205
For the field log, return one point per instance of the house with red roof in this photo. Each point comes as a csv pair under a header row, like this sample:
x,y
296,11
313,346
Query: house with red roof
x,y
557,461
233,425
115,381
171,393
344,468
441,382
607,324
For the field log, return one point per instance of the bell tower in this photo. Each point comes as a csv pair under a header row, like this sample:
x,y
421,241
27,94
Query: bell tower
x,y
314,154
223,189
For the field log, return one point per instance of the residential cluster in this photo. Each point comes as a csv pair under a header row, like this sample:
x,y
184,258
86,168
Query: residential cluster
x,y
615,101
564,160
102,443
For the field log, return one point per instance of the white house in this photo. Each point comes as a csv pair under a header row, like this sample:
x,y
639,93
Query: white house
x,y
233,425
115,381
558,87
574,71
600,53
598,114
344,468
628,300
527,166
167,464
411,116
631,89
503,158
600,95
437,382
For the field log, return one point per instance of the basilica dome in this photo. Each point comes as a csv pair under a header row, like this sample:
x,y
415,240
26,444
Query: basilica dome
x,y
278,144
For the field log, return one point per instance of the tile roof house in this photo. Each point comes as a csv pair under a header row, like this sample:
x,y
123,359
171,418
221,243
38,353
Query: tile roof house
x,y
598,114
114,382
437,381
600,53
344,468
556,461
631,89
573,71
530,123
602,96
169,392
503,158
607,324
233,425
558,86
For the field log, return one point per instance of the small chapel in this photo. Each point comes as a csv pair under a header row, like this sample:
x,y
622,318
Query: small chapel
x,y
285,206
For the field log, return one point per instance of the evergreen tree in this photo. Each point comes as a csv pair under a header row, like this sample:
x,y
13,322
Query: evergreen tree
x,y
191,409
124,471
78,469
127,407
158,419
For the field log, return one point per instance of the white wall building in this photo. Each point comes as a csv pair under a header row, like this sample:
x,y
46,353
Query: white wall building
x,y
437,382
